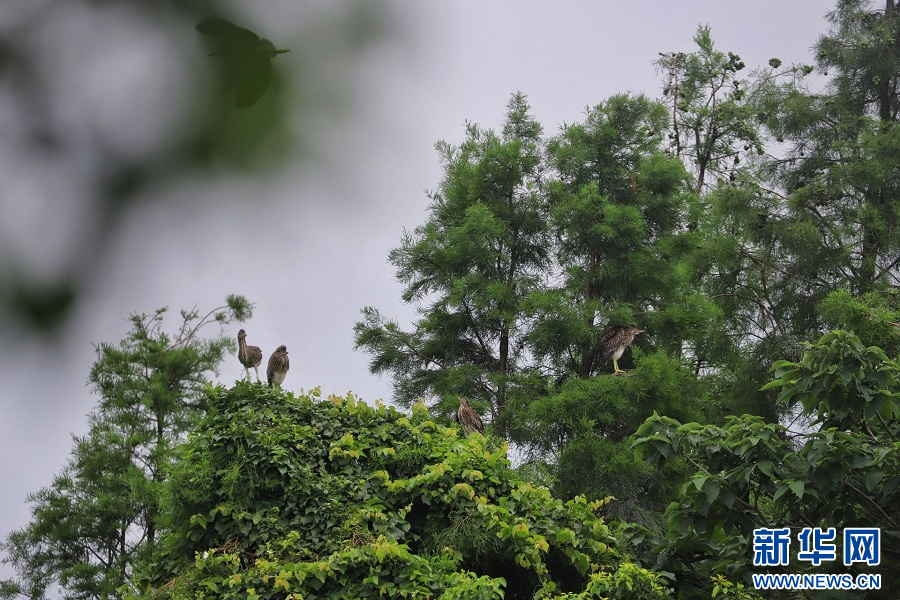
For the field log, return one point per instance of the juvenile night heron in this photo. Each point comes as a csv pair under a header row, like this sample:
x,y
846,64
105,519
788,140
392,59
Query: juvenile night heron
x,y
278,366
246,58
250,356
468,418
615,342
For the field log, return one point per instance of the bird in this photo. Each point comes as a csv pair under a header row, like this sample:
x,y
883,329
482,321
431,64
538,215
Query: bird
x,y
468,418
278,366
250,356
615,341
246,58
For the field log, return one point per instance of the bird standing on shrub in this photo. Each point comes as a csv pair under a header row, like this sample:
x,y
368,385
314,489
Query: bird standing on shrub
x,y
250,356
246,58
615,342
468,418
278,366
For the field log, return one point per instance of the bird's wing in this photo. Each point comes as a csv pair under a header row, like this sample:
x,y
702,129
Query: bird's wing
x,y
254,354
611,341
270,369
470,419
478,423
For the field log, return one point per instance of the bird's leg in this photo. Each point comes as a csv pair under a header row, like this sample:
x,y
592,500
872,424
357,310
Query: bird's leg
x,y
257,374
616,369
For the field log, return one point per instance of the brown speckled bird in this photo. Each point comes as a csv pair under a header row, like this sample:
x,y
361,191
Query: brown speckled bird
x,y
468,418
250,356
615,342
278,366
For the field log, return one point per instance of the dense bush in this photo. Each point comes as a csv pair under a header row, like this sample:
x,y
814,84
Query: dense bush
x,y
841,470
277,496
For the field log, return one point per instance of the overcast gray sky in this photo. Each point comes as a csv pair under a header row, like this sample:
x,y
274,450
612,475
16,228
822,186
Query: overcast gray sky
x,y
308,243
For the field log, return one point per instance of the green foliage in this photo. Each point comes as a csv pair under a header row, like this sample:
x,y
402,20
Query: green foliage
x,y
531,251
277,496
154,377
473,261
729,258
101,513
749,263
840,170
723,588
846,385
804,196
842,472
628,581
712,124
875,317
587,426
619,208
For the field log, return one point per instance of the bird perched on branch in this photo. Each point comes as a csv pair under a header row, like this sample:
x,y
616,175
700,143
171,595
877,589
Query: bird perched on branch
x,y
615,342
246,58
468,418
278,366
250,356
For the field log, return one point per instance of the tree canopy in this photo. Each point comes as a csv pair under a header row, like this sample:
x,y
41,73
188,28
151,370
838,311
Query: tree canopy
x,y
746,222
102,511
283,496
735,219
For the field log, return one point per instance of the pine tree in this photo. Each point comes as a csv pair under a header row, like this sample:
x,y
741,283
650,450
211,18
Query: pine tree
x,y
816,214
714,128
840,173
712,125
469,268
619,214
102,511
620,210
